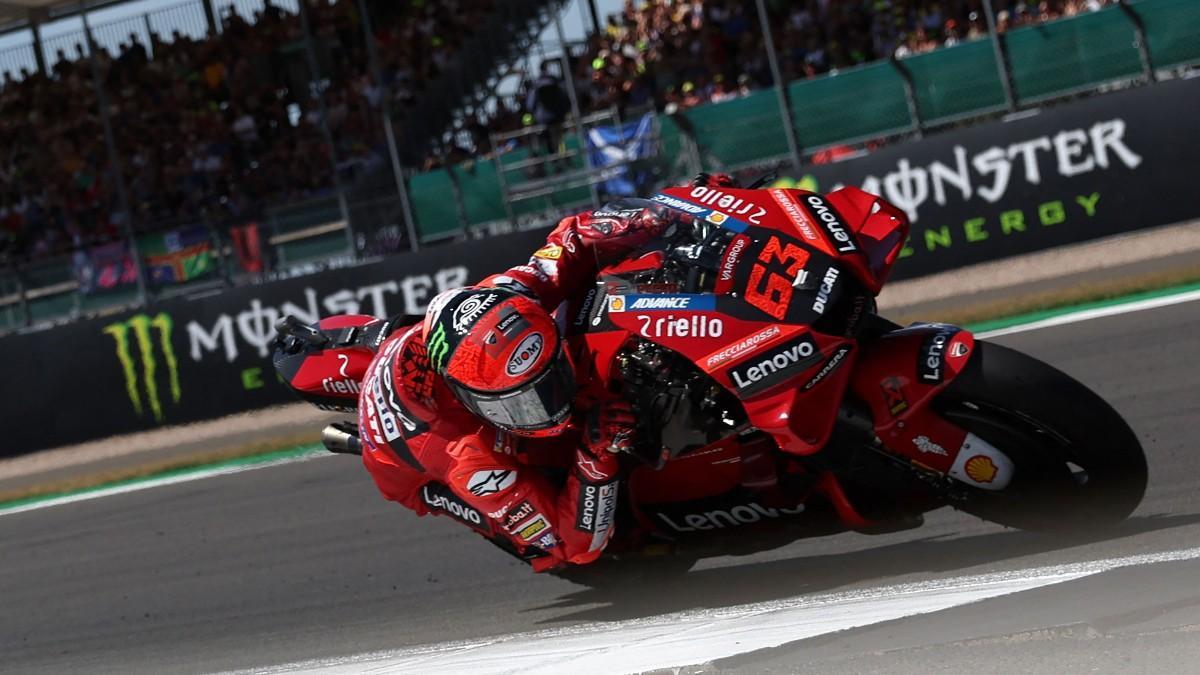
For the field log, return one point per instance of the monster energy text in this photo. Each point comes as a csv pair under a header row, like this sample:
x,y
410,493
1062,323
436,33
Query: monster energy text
x,y
140,326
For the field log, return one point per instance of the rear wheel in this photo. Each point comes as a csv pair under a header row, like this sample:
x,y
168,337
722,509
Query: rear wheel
x,y
1076,462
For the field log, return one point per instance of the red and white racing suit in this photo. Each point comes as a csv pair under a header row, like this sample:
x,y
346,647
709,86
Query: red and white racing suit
x,y
426,451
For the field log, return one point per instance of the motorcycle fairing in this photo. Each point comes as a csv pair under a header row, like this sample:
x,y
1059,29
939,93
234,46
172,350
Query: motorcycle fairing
x,y
898,377
863,232
781,269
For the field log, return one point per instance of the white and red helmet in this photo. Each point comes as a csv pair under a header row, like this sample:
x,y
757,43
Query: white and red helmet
x,y
502,356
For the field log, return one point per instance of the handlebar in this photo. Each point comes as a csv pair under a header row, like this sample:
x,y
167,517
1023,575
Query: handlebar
x,y
290,326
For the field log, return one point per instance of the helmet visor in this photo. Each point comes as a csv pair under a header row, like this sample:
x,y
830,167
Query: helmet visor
x,y
540,404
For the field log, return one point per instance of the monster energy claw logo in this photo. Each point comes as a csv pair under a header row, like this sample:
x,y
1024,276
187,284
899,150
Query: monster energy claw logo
x,y
140,325
438,347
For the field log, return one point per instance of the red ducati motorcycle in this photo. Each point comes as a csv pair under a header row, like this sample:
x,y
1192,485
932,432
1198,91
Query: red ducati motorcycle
x,y
771,398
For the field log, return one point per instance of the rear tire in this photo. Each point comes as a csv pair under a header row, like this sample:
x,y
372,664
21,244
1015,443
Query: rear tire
x,y
1077,464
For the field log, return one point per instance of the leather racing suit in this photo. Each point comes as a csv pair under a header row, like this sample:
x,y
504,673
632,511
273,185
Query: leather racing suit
x,y
425,450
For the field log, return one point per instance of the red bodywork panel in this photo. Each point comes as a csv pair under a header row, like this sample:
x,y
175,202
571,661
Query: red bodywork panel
x,y
774,332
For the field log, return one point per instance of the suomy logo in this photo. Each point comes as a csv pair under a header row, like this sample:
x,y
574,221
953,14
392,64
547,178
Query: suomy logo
x,y
525,355
772,367
140,326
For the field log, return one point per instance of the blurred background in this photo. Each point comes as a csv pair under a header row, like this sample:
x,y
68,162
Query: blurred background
x,y
243,158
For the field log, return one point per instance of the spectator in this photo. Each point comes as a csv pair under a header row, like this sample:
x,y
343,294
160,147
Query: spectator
x,y
549,104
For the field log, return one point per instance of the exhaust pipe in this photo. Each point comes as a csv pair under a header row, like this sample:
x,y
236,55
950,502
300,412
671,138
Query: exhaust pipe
x,y
342,438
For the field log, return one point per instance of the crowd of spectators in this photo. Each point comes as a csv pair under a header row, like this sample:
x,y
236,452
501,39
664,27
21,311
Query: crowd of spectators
x,y
689,52
214,129
209,129
670,54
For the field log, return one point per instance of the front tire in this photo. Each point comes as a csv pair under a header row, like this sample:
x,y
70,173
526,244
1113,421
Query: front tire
x,y
1077,464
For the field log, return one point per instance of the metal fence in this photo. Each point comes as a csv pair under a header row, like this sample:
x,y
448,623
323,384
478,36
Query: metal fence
x,y
1130,43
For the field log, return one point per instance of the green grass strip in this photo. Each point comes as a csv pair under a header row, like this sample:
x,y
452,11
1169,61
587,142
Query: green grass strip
x,y
249,460
1052,312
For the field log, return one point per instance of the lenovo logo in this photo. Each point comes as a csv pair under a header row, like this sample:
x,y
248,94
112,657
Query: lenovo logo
x,y
774,366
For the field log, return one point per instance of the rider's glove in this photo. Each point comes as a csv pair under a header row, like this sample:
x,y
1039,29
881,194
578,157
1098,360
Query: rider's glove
x,y
713,180
610,427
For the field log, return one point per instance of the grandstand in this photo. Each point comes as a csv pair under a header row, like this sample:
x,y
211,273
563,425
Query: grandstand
x,y
210,143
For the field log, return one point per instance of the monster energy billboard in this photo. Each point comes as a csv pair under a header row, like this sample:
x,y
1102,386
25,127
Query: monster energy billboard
x,y
1081,170
184,360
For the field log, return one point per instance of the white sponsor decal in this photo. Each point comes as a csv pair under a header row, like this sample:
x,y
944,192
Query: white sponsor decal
x,y
826,288
731,258
830,366
742,514
525,355
746,377
927,446
696,326
678,204
739,348
439,501
796,214
491,481
664,302
833,225
467,313
735,206
605,515
347,386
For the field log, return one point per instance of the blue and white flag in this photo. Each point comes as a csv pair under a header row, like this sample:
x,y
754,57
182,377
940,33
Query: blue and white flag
x,y
616,146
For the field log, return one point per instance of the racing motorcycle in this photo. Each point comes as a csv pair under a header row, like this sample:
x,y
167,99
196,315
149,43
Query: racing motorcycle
x,y
772,398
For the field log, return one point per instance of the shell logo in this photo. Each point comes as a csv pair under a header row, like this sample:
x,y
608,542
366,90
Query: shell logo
x,y
616,303
981,469
549,252
716,218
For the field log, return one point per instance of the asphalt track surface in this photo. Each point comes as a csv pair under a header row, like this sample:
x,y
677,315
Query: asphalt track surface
x,y
304,561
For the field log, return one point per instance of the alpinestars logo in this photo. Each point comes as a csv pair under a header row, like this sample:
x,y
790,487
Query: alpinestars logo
x,y
490,482
772,367
141,327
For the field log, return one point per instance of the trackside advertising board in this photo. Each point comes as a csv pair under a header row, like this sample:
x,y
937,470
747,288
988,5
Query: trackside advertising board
x,y
184,360
1090,168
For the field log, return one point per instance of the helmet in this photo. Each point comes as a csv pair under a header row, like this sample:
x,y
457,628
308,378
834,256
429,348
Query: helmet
x,y
325,362
502,356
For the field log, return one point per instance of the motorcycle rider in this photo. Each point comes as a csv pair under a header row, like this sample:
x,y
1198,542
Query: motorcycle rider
x,y
452,409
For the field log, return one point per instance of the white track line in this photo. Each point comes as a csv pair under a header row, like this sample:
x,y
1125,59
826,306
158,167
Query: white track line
x,y
701,636
1097,313
148,483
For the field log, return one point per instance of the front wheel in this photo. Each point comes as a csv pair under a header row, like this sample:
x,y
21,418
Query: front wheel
x,y
1076,462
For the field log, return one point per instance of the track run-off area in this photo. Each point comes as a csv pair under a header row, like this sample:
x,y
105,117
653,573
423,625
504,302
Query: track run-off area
x,y
294,562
